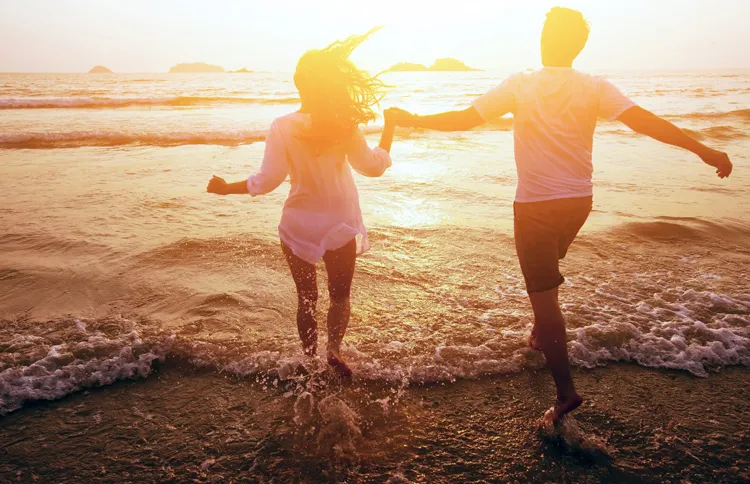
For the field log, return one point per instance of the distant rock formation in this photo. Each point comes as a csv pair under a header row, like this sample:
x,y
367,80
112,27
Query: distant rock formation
x,y
100,70
195,67
407,67
241,71
446,64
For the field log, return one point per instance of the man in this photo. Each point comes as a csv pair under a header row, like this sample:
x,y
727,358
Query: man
x,y
555,112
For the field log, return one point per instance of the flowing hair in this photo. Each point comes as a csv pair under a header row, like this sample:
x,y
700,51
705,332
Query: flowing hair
x,y
337,95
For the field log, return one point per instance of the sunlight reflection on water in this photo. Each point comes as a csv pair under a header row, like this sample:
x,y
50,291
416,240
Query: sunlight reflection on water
x,y
404,211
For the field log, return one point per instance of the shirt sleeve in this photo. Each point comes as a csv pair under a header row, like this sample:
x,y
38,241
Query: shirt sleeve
x,y
612,102
501,100
275,166
365,160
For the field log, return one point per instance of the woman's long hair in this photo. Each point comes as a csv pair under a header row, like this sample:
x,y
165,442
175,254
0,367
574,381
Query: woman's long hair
x,y
337,95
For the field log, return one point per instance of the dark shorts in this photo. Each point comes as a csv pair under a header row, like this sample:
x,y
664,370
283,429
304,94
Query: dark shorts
x,y
543,233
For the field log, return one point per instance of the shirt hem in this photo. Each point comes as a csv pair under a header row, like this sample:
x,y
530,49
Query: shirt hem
x,y
363,245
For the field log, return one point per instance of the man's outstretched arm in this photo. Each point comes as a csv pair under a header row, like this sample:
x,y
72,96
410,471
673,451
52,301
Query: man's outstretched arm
x,y
496,102
645,122
448,121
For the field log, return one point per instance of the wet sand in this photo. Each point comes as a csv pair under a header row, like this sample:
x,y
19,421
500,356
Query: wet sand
x,y
182,424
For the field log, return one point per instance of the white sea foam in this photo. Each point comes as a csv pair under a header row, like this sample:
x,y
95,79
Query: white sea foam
x,y
694,331
675,338
67,367
658,334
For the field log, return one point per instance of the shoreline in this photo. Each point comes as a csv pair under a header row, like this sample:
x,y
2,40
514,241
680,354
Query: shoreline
x,y
184,424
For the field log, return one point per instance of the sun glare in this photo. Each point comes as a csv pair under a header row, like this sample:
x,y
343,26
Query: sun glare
x,y
497,34
228,253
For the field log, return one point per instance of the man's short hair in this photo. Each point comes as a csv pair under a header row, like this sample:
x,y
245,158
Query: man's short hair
x,y
565,34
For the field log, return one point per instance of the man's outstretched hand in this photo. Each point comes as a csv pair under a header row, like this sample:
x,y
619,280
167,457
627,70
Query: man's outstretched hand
x,y
217,185
719,160
399,117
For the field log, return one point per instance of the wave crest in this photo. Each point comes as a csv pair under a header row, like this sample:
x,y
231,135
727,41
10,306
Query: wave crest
x,y
124,102
686,229
77,139
689,330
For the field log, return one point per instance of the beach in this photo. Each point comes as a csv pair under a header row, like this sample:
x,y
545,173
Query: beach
x,y
646,426
147,328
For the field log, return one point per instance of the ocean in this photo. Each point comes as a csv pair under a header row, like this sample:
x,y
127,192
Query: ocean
x,y
115,263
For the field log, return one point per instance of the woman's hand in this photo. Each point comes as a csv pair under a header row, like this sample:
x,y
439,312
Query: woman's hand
x,y
399,117
389,130
218,186
719,160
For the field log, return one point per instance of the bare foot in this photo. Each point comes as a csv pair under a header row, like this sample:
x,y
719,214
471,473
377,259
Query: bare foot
x,y
338,364
563,407
311,350
533,344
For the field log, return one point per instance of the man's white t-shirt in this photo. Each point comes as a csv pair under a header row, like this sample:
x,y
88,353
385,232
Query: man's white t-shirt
x,y
555,112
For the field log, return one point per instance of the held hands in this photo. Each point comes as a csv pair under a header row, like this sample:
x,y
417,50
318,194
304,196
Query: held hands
x,y
399,117
218,186
394,117
719,160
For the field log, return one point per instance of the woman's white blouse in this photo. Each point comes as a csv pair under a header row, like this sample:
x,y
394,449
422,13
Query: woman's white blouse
x,y
322,210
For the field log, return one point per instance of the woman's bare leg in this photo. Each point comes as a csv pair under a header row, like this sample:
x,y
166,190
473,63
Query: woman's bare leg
x,y
340,266
306,282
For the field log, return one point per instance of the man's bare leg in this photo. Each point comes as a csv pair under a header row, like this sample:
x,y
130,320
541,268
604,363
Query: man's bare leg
x,y
549,335
533,343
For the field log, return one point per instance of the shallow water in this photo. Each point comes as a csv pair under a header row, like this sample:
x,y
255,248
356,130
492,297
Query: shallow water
x,y
113,257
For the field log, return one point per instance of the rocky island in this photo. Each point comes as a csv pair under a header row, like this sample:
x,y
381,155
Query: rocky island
x,y
100,70
445,64
195,67
407,67
241,71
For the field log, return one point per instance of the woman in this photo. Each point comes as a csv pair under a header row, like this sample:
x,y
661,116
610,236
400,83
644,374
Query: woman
x,y
316,146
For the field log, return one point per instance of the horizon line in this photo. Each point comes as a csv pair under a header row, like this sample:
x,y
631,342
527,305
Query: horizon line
x,y
621,69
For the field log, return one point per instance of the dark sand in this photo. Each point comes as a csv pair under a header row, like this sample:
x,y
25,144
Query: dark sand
x,y
185,425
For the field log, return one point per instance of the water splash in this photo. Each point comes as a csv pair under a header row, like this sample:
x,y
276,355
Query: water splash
x,y
569,434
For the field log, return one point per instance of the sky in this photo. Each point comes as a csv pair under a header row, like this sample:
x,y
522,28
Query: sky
x,y
153,35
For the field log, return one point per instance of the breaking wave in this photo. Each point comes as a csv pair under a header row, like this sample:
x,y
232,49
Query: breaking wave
x,y
738,113
123,102
689,330
76,139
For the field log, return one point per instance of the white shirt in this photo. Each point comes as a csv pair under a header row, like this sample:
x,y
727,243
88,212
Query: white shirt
x,y
555,111
322,211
